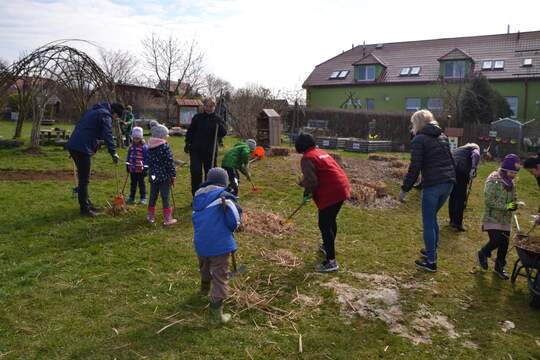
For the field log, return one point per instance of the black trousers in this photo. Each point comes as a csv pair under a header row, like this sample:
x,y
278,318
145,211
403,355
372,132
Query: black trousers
x,y
83,164
199,161
458,196
234,180
499,240
137,180
328,227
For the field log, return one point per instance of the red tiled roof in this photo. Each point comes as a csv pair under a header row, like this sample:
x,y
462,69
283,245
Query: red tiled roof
x,y
456,54
370,59
189,102
512,48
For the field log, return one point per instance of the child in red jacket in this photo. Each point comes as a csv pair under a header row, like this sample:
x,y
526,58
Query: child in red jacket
x,y
326,182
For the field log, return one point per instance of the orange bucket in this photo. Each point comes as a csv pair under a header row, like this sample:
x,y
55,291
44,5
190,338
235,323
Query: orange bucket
x,y
258,152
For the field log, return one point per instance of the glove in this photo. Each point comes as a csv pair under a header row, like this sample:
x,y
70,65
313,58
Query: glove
x,y
537,219
127,168
115,158
402,195
172,181
511,206
186,148
472,174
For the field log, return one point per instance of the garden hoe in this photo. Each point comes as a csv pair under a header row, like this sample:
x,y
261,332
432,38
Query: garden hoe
x,y
75,190
119,203
295,211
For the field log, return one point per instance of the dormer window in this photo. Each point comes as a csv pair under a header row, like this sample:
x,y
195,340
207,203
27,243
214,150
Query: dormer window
x,y
498,65
366,73
527,62
404,71
454,69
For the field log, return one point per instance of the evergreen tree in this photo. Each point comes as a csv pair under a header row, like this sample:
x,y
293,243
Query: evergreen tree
x,y
481,103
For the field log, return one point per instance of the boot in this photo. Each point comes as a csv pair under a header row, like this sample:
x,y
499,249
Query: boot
x,y
205,288
167,216
217,316
151,215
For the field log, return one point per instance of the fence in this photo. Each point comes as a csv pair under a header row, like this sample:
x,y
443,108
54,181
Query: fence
x,y
356,124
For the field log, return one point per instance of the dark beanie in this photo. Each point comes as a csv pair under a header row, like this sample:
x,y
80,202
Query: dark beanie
x,y
117,108
531,163
304,142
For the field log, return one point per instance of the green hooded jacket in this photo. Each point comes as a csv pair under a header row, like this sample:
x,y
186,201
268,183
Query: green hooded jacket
x,y
237,157
496,197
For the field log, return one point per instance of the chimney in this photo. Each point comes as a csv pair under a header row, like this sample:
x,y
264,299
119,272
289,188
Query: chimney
x,y
364,48
508,29
518,34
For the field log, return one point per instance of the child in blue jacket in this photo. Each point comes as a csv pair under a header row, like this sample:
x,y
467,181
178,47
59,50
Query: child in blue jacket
x,y
162,173
137,165
216,215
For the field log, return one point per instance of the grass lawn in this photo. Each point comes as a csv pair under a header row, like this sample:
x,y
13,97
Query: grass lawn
x,y
102,288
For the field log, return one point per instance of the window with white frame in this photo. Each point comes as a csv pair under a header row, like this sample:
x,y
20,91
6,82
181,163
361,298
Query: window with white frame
x,y
404,71
498,65
415,70
454,69
335,74
487,64
527,62
343,74
513,103
366,73
412,104
434,105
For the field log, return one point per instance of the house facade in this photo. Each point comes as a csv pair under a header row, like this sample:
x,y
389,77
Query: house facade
x,y
407,76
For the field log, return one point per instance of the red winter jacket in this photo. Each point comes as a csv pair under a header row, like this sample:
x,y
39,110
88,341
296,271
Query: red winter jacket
x,y
324,178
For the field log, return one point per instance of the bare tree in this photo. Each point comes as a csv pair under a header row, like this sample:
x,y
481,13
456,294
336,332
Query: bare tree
x,y
120,66
176,64
214,86
245,105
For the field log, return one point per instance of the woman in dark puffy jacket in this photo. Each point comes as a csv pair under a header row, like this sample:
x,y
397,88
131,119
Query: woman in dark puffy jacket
x,y
431,157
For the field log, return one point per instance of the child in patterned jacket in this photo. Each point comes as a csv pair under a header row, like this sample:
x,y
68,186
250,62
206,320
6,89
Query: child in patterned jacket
x,y
162,173
137,165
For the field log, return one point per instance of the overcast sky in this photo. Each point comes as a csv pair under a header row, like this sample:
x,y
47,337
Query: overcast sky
x,y
275,43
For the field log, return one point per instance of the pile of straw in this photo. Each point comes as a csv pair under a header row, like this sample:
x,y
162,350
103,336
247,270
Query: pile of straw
x,y
282,257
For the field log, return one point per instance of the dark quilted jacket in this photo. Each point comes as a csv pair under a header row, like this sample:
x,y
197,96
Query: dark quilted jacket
x,y
161,163
430,155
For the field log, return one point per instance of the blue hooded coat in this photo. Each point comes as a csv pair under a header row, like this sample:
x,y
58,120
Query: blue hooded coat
x,y
216,215
95,124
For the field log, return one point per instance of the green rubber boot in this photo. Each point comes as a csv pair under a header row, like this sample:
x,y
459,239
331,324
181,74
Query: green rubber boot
x,y
205,288
217,317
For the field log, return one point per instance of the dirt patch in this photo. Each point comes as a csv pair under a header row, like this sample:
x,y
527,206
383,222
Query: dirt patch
x,y
282,257
45,175
280,151
379,299
265,223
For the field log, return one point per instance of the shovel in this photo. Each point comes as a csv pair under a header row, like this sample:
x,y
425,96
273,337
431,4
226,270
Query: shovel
x,y
295,211
253,187
236,270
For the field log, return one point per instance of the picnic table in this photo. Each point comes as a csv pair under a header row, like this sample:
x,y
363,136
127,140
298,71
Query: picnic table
x,y
54,134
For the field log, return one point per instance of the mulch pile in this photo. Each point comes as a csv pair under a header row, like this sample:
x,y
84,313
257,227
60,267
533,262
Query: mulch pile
x,y
264,223
530,243
45,175
282,257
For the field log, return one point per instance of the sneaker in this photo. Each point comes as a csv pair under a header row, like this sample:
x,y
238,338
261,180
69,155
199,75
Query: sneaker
x,y
501,273
482,260
322,249
130,201
89,213
425,265
327,266
144,201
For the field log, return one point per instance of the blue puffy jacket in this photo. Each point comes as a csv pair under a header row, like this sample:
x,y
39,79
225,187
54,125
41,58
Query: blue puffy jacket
x,y
216,215
95,124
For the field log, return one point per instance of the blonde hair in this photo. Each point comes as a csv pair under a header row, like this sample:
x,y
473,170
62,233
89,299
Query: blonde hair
x,y
420,119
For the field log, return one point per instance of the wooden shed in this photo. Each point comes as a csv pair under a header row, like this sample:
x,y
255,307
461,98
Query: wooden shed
x,y
268,128
185,110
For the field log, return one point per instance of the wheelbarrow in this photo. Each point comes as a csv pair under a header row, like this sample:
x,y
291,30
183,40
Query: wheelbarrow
x,y
528,262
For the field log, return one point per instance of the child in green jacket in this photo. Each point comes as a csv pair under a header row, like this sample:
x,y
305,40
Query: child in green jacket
x,y
500,202
238,159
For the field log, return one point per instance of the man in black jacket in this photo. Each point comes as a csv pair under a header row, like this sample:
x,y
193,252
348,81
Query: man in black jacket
x,y
202,138
430,156
94,125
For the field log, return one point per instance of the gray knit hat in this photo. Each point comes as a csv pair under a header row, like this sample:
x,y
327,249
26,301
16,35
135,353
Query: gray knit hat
x,y
252,144
152,123
160,131
218,176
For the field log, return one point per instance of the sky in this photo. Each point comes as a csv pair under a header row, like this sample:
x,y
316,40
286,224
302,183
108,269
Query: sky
x,y
273,43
